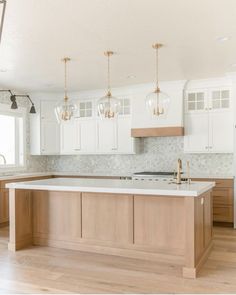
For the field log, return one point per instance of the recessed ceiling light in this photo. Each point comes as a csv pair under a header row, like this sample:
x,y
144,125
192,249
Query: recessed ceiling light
x,y
223,38
131,77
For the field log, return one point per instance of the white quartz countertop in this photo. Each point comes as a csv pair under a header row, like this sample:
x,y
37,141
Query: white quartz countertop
x,y
116,186
19,175
79,174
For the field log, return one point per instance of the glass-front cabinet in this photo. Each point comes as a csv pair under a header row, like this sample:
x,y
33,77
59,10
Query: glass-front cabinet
x,y
201,100
208,121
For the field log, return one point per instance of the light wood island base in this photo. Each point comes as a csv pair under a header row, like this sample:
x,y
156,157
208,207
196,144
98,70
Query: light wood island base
x,y
177,229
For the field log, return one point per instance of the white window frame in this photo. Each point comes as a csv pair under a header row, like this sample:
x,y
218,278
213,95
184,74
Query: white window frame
x,y
20,112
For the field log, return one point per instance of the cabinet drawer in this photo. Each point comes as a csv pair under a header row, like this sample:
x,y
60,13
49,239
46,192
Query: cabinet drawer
x,y
224,183
223,196
223,213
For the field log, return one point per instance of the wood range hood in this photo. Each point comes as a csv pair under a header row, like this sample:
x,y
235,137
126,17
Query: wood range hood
x,y
157,131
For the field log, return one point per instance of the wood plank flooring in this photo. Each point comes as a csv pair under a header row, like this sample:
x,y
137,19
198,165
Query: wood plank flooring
x,y
50,270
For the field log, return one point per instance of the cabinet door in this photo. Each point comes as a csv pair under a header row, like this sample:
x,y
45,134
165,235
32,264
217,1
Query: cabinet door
x,y
85,136
196,133
221,132
107,136
50,143
68,137
4,206
125,141
196,101
48,110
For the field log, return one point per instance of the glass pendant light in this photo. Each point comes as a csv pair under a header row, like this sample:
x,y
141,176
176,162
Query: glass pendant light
x,y
65,110
108,105
157,102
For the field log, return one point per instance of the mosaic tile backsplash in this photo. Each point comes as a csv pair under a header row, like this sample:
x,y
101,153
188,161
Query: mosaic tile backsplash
x,y
158,154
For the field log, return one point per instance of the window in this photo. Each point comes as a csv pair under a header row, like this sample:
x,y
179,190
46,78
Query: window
x,y
12,137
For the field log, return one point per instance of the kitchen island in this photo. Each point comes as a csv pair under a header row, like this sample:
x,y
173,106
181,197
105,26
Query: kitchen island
x,y
155,220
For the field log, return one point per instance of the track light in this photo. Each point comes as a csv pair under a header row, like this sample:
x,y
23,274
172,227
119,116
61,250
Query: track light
x,y
14,105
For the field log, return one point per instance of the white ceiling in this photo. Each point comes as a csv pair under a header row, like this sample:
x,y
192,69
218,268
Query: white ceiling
x,y
38,33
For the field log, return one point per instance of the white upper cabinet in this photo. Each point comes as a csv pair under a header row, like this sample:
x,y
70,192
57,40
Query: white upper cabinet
x,y
107,135
196,139
68,138
221,132
44,130
85,136
196,101
50,130
88,134
126,143
208,121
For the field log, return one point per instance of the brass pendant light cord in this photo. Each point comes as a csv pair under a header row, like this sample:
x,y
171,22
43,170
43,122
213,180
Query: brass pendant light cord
x,y
108,74
157,77
65,79
108,54
156,47
65,60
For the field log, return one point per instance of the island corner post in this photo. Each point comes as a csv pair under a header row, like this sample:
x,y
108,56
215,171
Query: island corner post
x,y
138,226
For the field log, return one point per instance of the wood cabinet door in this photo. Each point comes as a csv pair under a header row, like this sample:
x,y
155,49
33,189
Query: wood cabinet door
x,y
107,218
155,223
196,133
4,205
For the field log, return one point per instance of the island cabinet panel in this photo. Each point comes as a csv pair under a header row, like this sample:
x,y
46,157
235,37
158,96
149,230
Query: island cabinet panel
x,y
107,218
20,219
4,207
56,216
199,220
147,226
155,223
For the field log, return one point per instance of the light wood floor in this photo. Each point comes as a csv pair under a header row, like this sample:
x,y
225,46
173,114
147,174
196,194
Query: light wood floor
x,y
49,270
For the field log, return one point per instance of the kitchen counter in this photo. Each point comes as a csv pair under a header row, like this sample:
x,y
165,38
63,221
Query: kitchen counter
x,y
73,174
164,188
101,174
119,217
